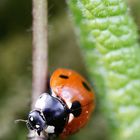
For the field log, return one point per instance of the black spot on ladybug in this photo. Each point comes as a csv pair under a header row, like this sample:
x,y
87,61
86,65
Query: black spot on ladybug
x,y
86,86
76,108
63,76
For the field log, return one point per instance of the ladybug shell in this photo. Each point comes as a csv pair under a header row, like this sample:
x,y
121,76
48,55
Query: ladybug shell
x,y
70,87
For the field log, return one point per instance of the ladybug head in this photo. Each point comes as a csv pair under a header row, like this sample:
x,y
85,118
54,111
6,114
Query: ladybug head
x,y
36,121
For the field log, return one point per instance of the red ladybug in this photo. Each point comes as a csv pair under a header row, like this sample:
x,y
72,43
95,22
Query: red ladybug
x,y
67,107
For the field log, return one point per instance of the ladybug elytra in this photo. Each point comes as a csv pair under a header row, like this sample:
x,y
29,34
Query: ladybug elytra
x,y
66,108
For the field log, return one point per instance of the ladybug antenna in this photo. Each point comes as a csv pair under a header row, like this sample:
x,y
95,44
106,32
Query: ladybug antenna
x,y
21,120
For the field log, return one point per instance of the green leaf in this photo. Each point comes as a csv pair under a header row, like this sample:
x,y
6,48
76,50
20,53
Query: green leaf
x,y
108,39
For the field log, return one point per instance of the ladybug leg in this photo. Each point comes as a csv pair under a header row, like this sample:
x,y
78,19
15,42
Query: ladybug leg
x,y
76,108
49,136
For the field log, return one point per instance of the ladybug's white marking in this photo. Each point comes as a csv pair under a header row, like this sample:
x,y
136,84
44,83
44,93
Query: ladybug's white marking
x,y
53,94
50,129
65,94
37,126
71,117
69,104
31,118
40,103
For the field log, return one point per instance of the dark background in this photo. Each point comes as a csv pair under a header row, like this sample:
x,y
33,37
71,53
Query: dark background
x,y
16,62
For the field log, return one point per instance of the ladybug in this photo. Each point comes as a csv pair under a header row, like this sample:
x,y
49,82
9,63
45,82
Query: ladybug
x,y
66,108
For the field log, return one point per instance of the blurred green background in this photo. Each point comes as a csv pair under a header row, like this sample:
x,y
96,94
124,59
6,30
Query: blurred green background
x,y
16,62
